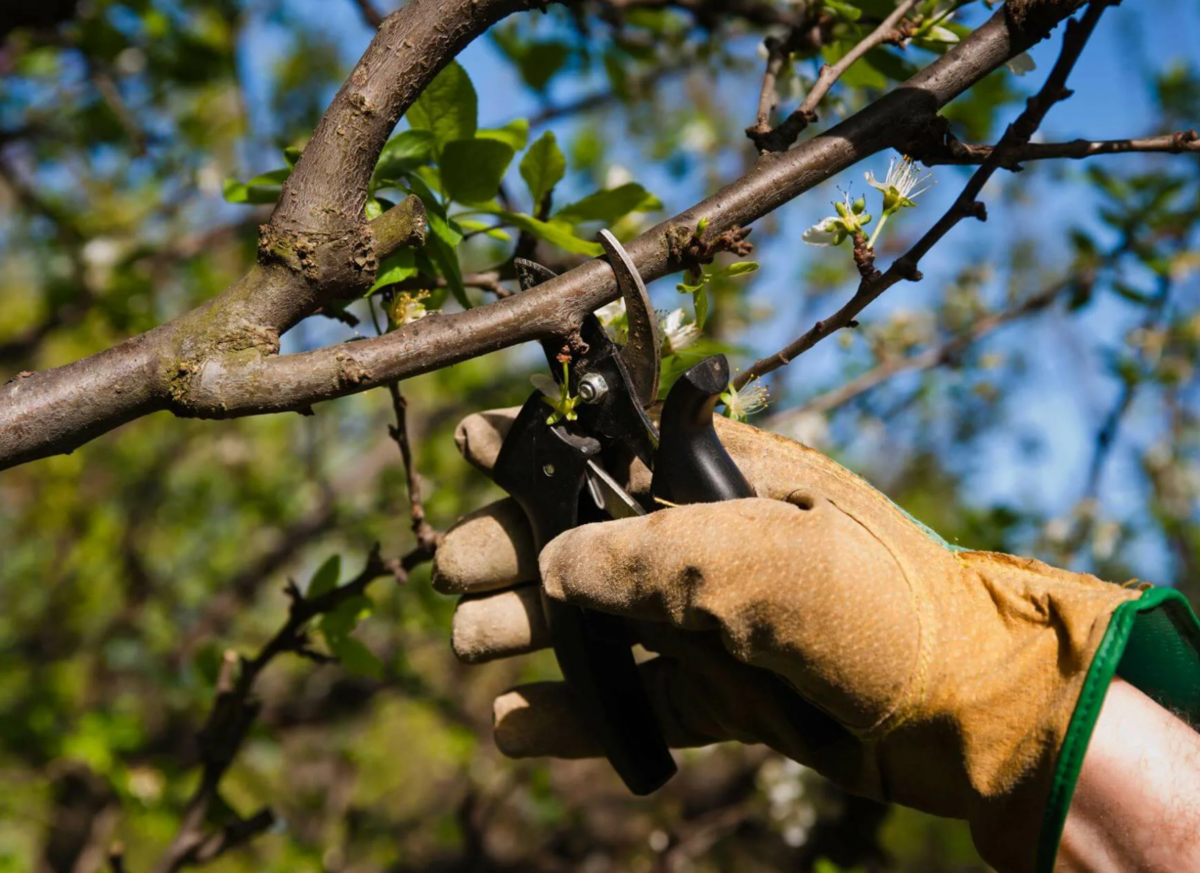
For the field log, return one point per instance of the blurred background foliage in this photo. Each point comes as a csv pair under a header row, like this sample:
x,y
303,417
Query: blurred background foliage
x,y
1037,393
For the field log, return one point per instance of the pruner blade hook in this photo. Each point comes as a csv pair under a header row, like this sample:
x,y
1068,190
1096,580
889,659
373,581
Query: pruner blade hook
x,y
640,354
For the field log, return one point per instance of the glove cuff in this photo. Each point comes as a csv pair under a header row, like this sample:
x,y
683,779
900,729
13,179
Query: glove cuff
x,y
1154,644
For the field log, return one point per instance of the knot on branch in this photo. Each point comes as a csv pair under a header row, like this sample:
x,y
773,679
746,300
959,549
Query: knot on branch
x,y
1034,19
341,264
780,139
691,251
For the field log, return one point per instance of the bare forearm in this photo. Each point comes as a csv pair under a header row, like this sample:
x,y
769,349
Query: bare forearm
x,y
1137,804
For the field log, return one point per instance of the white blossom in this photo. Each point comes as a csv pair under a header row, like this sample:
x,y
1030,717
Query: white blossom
x,y
677,335
741,403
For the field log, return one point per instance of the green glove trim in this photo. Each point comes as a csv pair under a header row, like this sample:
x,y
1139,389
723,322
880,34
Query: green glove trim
x,y
1153,643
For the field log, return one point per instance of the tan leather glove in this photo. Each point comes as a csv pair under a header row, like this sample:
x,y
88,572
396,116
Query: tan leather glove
x,y
950,677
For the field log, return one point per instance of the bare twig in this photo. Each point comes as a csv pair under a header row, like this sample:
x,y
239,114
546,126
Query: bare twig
x,y
946,352
233,713
427,537
785,134
369,13
955,152
966,205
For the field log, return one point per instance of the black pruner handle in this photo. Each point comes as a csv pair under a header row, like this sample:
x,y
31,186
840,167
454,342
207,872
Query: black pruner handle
x,y
544,469
691,465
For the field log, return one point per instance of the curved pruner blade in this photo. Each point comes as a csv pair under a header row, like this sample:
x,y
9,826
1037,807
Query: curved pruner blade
x,y
640,354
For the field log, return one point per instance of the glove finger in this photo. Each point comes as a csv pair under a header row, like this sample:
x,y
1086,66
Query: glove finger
x,y
499,625
489,549
791,587
479,436
671,565
543,719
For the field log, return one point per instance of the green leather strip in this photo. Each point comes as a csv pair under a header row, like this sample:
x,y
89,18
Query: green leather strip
x,y
1154,644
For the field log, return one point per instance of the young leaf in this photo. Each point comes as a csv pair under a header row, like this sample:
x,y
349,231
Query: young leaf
x,y
486,229
404,153
552,232
609,205
543,167
356,657
341,620
701,301
261,189
739,268
291,154
448,107
326,577
396,268
472,168
515,133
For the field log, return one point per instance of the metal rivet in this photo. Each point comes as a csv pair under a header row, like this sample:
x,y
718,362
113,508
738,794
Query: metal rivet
x,y
592,388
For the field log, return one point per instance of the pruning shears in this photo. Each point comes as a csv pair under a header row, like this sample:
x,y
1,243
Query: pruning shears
x,y
559,469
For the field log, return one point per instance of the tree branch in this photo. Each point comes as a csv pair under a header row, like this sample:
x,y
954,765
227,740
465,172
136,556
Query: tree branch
x,y
945,352
782,137
960,153
1016,136
234,712
369,13
222,359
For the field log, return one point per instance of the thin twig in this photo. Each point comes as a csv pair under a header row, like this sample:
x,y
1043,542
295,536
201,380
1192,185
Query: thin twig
x,y
369,13
234,712
960,153
966,205
945,352
427,537
785,134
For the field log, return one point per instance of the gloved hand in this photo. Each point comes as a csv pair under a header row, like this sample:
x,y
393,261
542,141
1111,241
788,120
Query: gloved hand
x,y
943,680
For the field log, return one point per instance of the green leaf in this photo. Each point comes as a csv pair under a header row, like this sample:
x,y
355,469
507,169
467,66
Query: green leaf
x,y
685,288
396,268
404,153
843,11
552,232
539,61
609,205
487,229
740,268
342,619
233,191
291,154
441,244
701,301
373,209
543,167
356,657
446,259
326,578
448,106
472,168
264,188
515,134
435,214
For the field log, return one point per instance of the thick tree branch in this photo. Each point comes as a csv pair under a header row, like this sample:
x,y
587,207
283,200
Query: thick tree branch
x,y
222,359
1016,136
